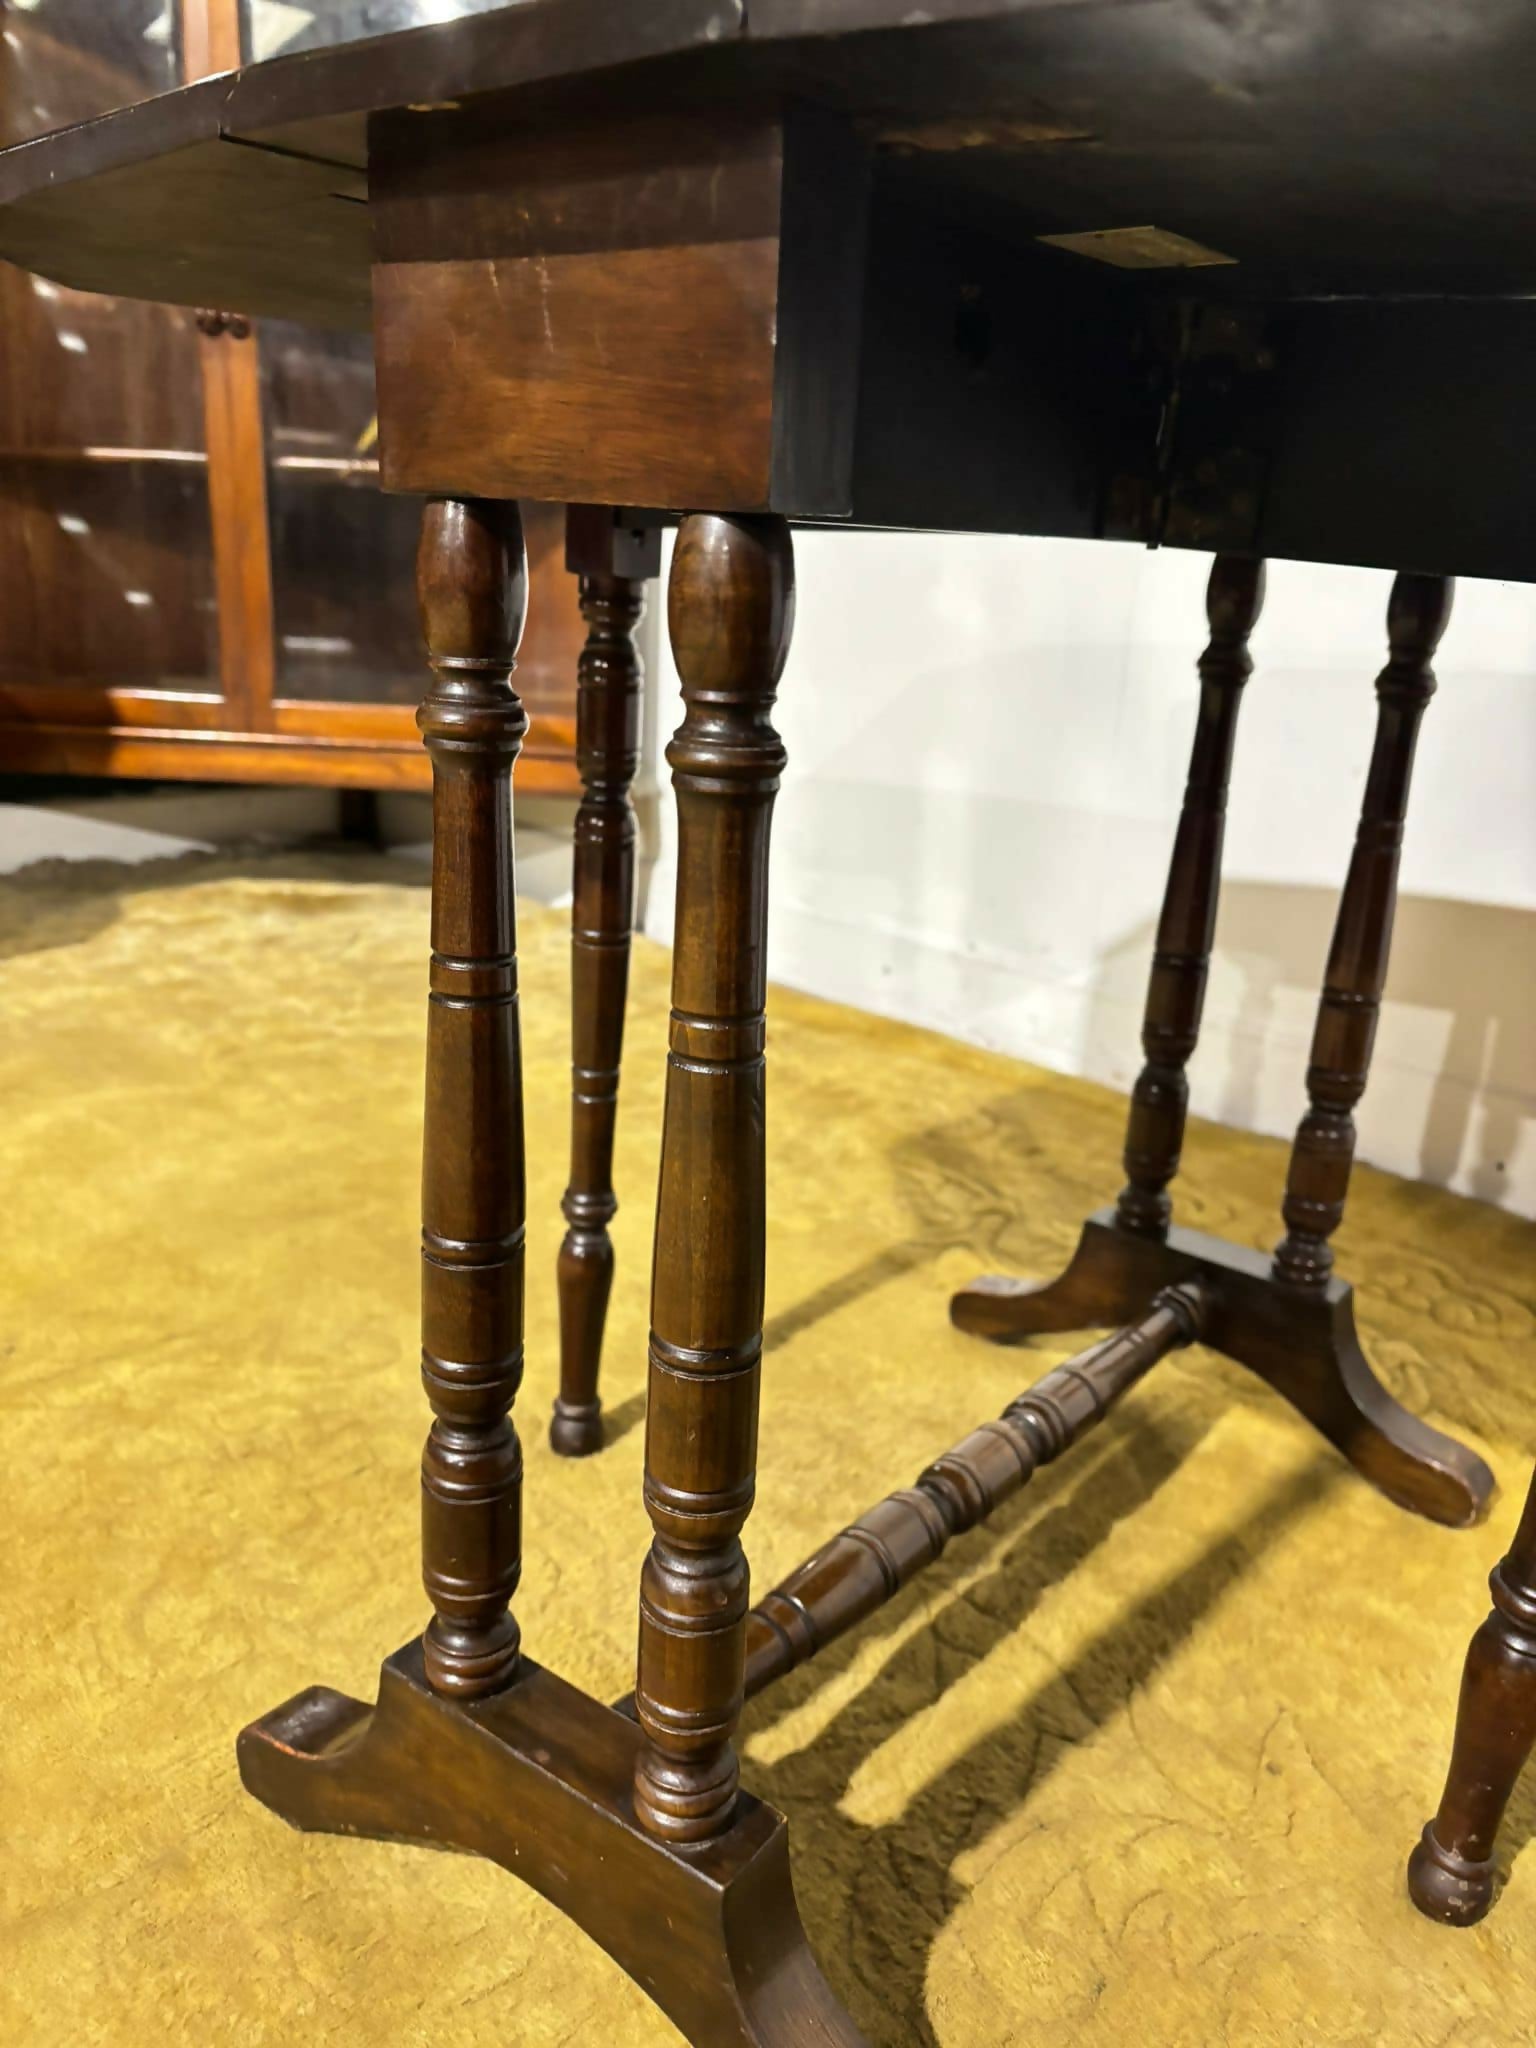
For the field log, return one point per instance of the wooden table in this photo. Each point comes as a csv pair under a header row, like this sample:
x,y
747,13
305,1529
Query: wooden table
x,y
1246,278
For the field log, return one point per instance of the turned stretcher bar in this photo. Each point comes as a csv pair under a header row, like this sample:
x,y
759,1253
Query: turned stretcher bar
x,y
869,1562
885,1549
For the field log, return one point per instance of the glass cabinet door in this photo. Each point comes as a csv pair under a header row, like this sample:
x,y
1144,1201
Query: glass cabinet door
x,y
272,28
193,544
343,551
106,559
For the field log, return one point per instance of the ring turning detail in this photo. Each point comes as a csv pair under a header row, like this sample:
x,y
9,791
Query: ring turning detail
x,y
632,1818
1290,1320
885,1549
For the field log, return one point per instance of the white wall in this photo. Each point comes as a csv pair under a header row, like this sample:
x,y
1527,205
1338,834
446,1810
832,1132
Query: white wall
x,y
988,741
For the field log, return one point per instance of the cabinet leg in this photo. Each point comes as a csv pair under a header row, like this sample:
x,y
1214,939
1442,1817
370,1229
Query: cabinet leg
x,y
602,916
539,1779
1451,1870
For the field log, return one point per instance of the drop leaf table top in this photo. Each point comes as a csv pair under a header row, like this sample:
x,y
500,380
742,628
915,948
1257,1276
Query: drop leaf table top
x,y
1247,276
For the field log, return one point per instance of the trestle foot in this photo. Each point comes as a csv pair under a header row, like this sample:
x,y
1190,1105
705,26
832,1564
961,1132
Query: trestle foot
x,y
539,1779
1301,1341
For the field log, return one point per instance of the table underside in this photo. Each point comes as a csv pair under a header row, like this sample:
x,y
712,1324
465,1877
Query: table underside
x,y
1343,388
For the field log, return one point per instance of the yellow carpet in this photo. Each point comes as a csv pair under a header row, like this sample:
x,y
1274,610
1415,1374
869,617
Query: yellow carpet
x,y
1139,1764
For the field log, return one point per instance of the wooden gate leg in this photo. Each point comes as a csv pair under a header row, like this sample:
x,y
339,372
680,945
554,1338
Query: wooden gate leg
x,y
1362,939
1154,1137
613,562
730,612
473,582
1451,1870
1181,961
1288,1319
471,1744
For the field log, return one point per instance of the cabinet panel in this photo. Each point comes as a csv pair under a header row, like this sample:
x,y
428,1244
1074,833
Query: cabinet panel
x,y
343,552
106,576
106,565
67,60
199,575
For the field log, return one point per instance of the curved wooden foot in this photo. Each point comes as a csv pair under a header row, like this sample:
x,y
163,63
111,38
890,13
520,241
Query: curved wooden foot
x,y
1302,1341
1451,1871
1098,1290
539,1779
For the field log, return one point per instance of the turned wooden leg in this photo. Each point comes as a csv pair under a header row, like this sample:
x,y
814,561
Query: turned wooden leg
x,y
472,584
1362,938
1451,1870
612,563
470,1745
1181,959
1286,1318
1008,1309
730,610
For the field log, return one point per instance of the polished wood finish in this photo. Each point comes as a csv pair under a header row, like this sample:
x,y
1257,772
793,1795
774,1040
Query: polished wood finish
x,y
675,289
1361,285
210,36
140,450
472,584
237,503
1303,1343
1288,1319
322,99
602,915
730,608
1308,204
1451,1873
1182,957
868,1564
1350,1005
655,311
639,1833
183,753
663,313
539,1780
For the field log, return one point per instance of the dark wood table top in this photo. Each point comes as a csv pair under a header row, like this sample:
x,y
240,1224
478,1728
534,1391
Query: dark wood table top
x,y
1372,147
1248,275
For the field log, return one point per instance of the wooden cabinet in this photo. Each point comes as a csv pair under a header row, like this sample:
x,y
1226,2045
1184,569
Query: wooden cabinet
x,y
199,577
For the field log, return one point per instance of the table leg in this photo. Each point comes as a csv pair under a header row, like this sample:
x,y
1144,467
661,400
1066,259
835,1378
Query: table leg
x,y
1451,1870
472,582
602,915
470,1744
730,610
1289,1320
1154,1137
1181,960
1362,939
